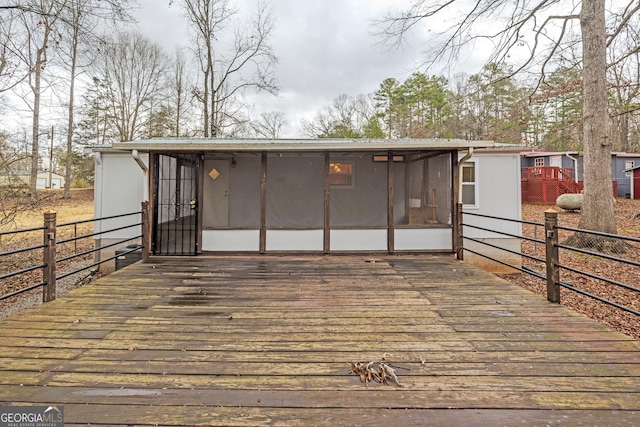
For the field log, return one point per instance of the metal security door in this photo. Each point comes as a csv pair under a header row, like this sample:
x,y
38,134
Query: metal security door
x,y
175,213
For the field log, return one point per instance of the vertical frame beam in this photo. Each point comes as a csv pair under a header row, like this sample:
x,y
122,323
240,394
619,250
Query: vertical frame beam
x,y
199,207
263,203
153,205
458,236
390,225
326,245
456,205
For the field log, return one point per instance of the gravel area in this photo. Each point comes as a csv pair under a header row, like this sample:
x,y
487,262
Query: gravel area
x,y
19,303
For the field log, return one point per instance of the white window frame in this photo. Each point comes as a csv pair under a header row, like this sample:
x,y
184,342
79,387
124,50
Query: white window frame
x,y
474,184
629,164
538,162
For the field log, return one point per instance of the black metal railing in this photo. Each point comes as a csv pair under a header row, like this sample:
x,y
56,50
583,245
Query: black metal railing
x,y
52,246
542,258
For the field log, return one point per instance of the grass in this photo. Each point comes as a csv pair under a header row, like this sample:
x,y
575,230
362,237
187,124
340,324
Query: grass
x,y
77,208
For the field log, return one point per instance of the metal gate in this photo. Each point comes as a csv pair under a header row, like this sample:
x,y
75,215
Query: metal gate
x,y
175,204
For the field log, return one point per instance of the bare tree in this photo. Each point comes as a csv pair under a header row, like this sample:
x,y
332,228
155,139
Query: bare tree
x,y
229,71
12,188
11,73
550,24
597,207
40,36
179,89
346,117
624,77
81,19
269,125
132,75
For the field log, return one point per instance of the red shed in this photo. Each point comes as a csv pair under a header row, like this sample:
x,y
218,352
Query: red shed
x,y
635,182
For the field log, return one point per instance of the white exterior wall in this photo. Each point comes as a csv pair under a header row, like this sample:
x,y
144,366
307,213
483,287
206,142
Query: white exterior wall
x,y
499,195
120,188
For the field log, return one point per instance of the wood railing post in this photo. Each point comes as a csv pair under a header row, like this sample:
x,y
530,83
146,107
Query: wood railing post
x,y
552,259
49,257
146,231
458,235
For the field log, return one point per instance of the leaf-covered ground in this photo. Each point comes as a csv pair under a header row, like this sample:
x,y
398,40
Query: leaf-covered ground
x,y
628,223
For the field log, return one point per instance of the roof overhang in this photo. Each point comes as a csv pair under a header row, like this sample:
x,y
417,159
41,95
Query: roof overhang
x,y
549,153
297,145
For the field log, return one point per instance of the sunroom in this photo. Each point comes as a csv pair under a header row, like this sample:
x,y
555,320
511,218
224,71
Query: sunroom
x,y
290,196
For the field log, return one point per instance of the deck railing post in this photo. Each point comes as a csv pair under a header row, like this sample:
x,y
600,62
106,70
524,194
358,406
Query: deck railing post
x,y
146,232
552,259
459,239
49,257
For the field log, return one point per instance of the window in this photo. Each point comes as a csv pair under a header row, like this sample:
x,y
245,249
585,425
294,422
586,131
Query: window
x,y
341,175
628,165
381,158
539,162
469,187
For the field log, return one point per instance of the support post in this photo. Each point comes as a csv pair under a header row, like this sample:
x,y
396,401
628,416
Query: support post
x,y
326,245
49,257
263,203
146,231
391,242
458,234
552,259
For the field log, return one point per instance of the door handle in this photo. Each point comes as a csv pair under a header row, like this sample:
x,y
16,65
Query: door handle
x,y
192,204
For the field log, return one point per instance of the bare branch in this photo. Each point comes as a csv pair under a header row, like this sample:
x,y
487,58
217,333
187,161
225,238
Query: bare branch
x,y
626,17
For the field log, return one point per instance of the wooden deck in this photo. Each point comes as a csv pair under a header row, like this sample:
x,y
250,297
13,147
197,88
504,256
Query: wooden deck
x,y
266,341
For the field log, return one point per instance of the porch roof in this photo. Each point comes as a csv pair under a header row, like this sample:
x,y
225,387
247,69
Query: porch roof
x,y
298,144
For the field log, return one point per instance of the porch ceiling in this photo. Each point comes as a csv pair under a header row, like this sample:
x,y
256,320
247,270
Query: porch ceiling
x,y
279,145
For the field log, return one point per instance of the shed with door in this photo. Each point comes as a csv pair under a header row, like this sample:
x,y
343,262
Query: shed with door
x,y
308,195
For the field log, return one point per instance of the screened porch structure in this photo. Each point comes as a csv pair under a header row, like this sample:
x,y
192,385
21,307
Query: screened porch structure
x,y
316,196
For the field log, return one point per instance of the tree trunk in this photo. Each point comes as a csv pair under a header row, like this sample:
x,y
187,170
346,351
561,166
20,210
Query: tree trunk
x,y
623,122
598,204
35,126
213,107
205,101
69,163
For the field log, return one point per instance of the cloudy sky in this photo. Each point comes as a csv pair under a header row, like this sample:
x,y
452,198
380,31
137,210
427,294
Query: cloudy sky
x,y
325,48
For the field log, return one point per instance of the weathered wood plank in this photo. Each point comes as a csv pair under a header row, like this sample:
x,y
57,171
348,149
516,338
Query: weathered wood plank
x,y
371,398
334,368
329,355
250,416
345,383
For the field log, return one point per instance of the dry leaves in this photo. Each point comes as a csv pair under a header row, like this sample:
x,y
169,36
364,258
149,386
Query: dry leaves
x,y
380,372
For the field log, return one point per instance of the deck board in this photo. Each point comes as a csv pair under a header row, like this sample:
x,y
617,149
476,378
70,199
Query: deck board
x,y
267,341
